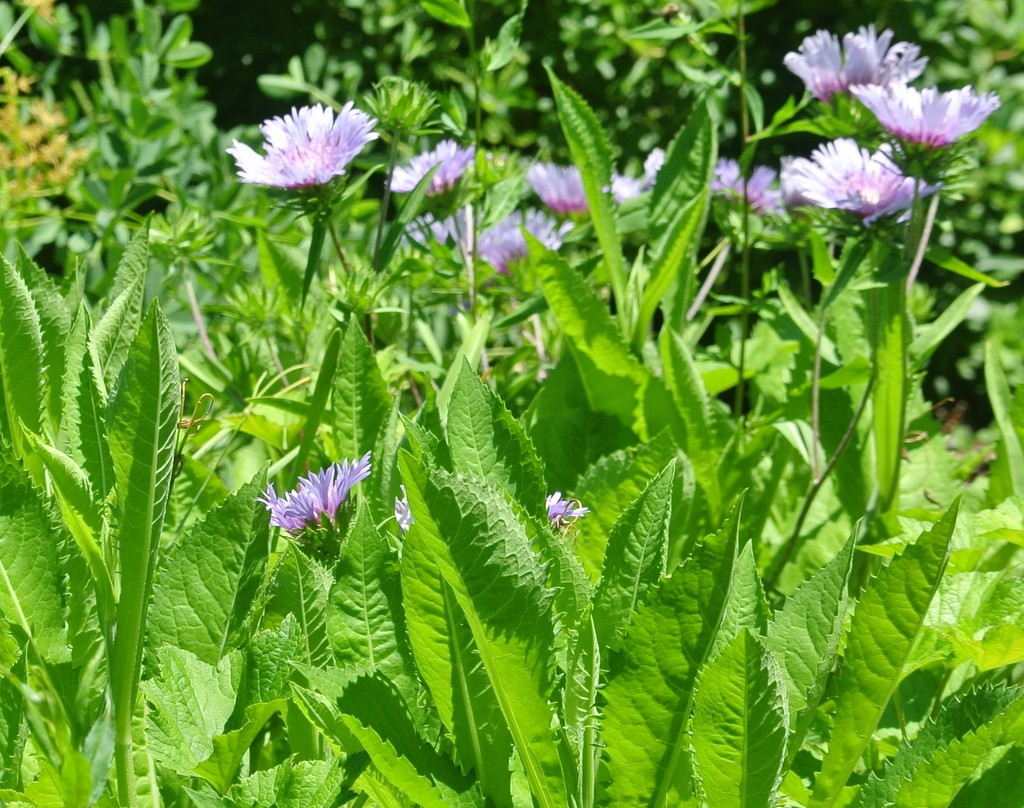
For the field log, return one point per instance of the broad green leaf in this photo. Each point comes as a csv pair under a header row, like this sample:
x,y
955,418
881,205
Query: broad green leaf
x,y
930,770
1000,784
746,607
206,585
888,620
804,637
360,403
998,389
740,720
280,264
450,12
608,488
635,558
301,587
484,555
365,621
142,425
317,404
649,693
22,359
487,441
591,152
292,784
269,658
503,49
113,334
31,589
83,420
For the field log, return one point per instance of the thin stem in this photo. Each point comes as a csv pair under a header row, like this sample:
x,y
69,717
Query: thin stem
x,y
922,243
741,37
18,25
794,539
338,249
197,317
816,400
385,199
709,282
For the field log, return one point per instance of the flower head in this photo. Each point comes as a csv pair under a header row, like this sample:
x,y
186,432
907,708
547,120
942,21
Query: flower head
x,y
562,512
504,243
308,147
454,228
452,160
403,514
865,58
730,183
319,496
841,175
927,117
559,187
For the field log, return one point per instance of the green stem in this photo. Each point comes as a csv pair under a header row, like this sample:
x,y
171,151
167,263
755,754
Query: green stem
x,y
739,403
889,342
385,199
124,763
316,247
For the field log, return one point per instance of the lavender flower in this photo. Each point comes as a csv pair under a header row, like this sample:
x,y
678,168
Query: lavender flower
x,y
841,175
306,148
454,228
731,184
319,496
625,187
504,243
865,58
559,187
403,514
563,512
927,117
453,161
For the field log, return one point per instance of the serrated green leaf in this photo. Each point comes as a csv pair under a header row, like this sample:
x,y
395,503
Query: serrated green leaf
x,y
360,403
484,555
269,658
205,586
30,570
113,334
886,623
689,162
507,42
142,425
635,558
740,716
746,607
134,262
22,359
649,693
301,587
292,784
486,441
804,636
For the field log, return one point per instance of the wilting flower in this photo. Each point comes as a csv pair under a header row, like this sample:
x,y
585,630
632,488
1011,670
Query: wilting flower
x,y
403,514
927,117
625,187
562,512
504,243
318,497
559,187
730,183
865,58
452,159
308,147
841,175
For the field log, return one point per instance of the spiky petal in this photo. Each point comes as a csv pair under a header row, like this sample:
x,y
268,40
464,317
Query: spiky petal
x,y
452,159
559,187
319,496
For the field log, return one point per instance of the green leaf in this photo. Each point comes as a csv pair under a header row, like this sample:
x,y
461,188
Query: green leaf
x,y
591,152
505,46
648,696
113,335
746,607
740,716
292,784
450,12
940,256
998,389
206,585
280,263
931,336
30,570
486,441
484,554
886,623
301,587
317,403
890,327
635,559
804,637
22,360
360,403
930,771
315,255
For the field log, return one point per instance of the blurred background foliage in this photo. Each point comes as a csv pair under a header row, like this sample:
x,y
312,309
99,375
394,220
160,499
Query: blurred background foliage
x,y
141,99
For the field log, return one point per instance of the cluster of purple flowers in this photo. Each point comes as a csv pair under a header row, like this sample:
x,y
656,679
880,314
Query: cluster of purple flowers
x,y
318,497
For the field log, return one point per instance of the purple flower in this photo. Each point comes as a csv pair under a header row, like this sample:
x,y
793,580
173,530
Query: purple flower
x,y
624,187
559,187
730,183
454,228
319,495
562,512
403,514
453,161
927,117
841,175
865,58
308,147
504,243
